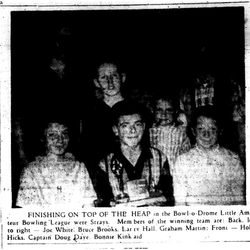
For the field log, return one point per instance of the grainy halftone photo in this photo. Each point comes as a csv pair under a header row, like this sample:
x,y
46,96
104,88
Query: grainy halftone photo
x,y
128,108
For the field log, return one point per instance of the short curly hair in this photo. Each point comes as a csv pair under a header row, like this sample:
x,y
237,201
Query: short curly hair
x,y
208,112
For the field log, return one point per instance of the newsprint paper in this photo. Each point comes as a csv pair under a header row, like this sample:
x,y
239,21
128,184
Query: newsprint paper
x,y
162,45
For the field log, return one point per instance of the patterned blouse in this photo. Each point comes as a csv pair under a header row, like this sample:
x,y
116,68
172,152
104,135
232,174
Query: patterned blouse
x,y
212,177
47,183
171,141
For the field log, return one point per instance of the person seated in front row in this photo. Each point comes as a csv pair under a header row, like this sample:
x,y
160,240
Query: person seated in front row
x,y
136,171
208,174
56,179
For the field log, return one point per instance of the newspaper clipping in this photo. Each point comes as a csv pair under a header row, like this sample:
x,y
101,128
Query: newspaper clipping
x,y
123,125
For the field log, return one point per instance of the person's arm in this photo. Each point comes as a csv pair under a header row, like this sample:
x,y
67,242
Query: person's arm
x,y
86,187
237,180
179,183
166,184
28,193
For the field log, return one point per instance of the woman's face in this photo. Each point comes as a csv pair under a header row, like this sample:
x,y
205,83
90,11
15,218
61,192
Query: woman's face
x,y
206,132
57,138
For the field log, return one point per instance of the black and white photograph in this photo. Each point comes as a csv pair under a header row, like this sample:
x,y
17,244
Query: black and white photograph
x,y
128,107
76,79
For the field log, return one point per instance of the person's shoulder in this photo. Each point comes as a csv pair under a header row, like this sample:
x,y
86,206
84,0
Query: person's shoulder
x,y
37,162
35,165
77,165
179,129
176,128
192,151
100,105
228,153
190,154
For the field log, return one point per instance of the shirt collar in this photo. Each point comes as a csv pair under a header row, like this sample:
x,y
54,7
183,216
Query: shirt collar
x,y
145,154
213,150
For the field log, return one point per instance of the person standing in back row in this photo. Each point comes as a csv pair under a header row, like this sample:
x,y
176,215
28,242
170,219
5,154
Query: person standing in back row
x,y
97,137
167,133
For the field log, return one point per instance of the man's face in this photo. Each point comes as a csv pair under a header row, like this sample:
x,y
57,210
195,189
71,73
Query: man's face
x,y
57,138
206,132
130,130
164,113
109,79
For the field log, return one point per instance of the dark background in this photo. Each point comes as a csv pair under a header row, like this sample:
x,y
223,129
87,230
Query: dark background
x,y
153,44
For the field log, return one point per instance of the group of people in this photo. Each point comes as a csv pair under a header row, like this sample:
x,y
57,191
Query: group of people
x,y
129,154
